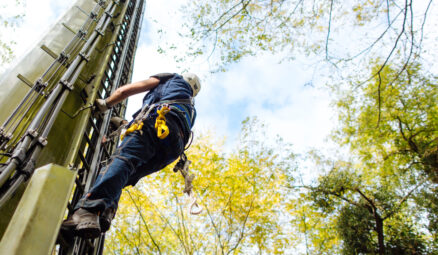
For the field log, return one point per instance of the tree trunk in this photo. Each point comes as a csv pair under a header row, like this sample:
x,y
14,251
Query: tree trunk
x,y
380,237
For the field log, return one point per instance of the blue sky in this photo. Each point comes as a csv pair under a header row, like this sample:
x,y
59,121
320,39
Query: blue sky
x,y
256,86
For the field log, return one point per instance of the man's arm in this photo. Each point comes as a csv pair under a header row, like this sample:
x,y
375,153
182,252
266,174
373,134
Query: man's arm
x,y
131,89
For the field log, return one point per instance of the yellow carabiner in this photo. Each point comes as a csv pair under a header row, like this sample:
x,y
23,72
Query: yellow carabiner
x,y
160,122
134,127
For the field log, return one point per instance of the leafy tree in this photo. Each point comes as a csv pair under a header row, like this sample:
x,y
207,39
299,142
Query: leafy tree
x,y
8,20
339,32
392,126
370,216
241,194
318,228
378,195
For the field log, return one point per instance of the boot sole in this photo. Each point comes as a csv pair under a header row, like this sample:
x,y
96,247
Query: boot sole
x,y
88,230
104,225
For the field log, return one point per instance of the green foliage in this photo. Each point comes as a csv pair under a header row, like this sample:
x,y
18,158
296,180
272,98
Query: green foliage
x,y
379,196
8,21
404,238
355,227
393,123
241,194
344,33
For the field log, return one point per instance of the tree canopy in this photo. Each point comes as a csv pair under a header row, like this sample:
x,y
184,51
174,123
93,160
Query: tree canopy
x,y
375,194
8,20
379,199
241,195
342,33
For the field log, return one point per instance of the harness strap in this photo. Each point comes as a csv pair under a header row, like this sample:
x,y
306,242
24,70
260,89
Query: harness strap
x,y
160,123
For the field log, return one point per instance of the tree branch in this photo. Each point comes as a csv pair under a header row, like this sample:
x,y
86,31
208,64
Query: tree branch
x,y
377,40
332,193
403,199
411,51
367,199
182,225
328,32
387,12
129,241
144,222
379,99
395,45
244,5
397,40
166,220
242,231
409,139
218,234
424,22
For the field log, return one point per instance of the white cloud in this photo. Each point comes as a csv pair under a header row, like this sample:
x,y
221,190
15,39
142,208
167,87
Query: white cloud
x,y
275,93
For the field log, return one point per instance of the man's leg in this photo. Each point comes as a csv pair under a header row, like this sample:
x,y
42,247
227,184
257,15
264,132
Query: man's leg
x,y
105,193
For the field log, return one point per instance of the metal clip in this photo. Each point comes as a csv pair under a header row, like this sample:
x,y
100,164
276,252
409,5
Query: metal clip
x,y
84,56
63,57
99,31
93,16
32,133
82,33
40,85
108,14
66,84
42,141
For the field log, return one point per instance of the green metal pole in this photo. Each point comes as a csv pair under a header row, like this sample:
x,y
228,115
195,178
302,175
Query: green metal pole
x,y
34,226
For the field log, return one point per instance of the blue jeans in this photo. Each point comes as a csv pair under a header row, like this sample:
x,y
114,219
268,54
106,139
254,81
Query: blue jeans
x,y
140,154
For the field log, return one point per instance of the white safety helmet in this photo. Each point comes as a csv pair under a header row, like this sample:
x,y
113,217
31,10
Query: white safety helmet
x,y
194,82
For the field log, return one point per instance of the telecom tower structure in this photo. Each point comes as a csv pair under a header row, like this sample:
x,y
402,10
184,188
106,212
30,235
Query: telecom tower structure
x,y
51,138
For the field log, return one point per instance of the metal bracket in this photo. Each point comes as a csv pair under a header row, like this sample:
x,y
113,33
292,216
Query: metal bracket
x,y
90,79
83,108
42,141
25,80
109,14
82,33
4,138
40,85
99,31
84,56
32,133
19,154
101,50
63,57
66,84
93,16
28,169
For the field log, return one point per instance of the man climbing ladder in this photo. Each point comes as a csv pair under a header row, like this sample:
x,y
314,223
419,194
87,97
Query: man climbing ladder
x,y
155,138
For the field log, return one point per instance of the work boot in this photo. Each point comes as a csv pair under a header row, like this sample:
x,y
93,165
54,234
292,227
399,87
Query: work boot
x,y
82,223
105,219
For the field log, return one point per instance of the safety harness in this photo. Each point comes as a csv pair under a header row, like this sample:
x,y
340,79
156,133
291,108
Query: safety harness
x,y
163,107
